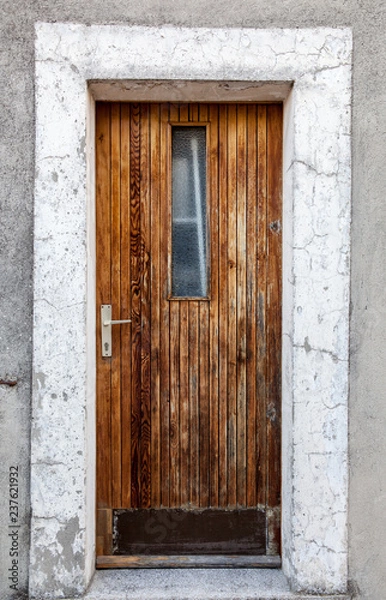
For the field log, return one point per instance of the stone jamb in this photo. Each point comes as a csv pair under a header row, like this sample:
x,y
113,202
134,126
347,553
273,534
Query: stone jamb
x,y
71,62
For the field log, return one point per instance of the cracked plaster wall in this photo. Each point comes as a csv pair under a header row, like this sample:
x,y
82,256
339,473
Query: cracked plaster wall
x,y
315,278
367,18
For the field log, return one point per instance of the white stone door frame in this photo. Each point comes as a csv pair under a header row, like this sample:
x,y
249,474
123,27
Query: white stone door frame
x,y
310,70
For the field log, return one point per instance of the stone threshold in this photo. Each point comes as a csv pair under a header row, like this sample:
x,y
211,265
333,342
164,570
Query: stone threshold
x,y
195,584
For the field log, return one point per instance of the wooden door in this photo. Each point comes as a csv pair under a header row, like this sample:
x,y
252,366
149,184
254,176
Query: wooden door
x,y
188,405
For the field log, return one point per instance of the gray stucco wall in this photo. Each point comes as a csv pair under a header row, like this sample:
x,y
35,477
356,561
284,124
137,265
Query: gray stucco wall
x,y
367,18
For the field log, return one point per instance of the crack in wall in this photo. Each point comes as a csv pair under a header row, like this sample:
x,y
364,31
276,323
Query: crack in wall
x,y
83,53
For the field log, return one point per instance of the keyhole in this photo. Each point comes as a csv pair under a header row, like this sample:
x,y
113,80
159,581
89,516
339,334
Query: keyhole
x,y
106,348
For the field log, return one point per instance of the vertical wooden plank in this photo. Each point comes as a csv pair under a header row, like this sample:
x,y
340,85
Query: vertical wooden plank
x,y
213,217
232,305
204,425
174,346
174,117
194,417
193,112
104,521
155,219
252,241
116,302
203,112
164,225
274,198
125,308
223,306
184,113
241,316
145,282
262,294
184,404
135,256
174,432
103,251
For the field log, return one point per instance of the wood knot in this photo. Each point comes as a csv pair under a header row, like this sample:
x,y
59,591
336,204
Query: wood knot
x,y
271,412
275,226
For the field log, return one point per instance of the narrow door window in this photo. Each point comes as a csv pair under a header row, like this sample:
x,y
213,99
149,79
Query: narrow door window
x,y
189,227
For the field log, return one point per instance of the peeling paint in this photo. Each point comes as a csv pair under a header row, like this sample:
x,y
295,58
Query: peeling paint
x,y
316,278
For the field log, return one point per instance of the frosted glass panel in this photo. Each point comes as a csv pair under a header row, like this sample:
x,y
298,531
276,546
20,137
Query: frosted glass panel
x,y
189,252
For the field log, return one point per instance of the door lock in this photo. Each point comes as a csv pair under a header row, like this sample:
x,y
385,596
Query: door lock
x,y
106,323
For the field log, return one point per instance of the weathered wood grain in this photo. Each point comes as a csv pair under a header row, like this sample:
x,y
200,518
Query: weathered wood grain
x,y
223,305
273,413
200,112
164,271
194,112
174,405
214,327
251,309
135,259
204,405
104,533
126,309
115,203
103,296
185,433
183,113
155,304
261,353
231,307
188,562
188,408
241,308
145,248
194,417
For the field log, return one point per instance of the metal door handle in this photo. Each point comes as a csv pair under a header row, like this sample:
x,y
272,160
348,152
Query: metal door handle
x,y
113,322
106,322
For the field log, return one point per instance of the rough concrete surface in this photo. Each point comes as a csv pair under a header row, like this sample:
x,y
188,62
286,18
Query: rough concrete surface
x,y
197,584
367,418
316,157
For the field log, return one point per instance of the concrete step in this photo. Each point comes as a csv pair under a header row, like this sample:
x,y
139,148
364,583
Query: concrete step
x,y
195,584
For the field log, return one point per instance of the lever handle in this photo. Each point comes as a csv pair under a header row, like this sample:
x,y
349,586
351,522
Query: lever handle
x,y
106,322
